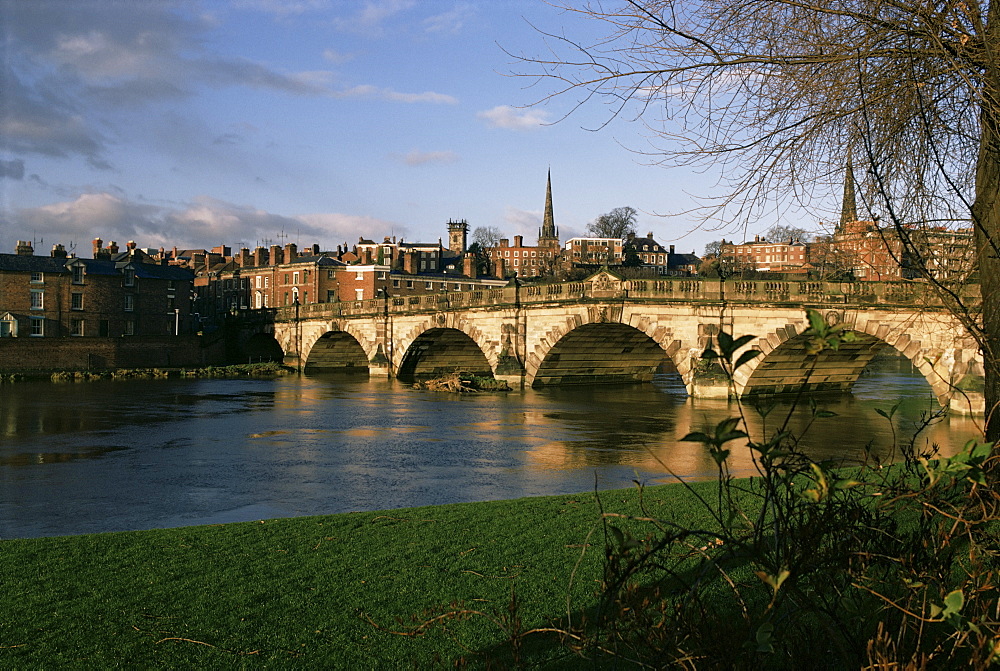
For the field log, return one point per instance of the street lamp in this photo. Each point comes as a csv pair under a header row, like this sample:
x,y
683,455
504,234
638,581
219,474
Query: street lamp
x,y
298,334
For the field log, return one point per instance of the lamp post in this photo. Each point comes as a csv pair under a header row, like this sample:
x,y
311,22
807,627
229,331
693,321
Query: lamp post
x,y
298,335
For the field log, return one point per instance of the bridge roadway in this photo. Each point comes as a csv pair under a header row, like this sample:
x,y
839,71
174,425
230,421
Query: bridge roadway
x,y
608,330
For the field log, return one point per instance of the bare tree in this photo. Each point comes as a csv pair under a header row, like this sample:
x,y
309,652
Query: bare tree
x,y
782,233
617,223
488,237
782,92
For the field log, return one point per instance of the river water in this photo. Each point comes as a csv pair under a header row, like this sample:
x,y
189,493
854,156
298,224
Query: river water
x,y
119,455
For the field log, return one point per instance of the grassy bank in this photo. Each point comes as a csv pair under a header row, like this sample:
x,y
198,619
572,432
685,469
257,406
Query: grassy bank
x,y
266,369
304,592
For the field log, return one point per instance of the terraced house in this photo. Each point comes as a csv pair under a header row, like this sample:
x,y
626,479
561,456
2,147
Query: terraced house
x,y
116,293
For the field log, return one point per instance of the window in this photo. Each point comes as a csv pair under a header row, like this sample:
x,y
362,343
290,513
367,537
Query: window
x,y
267,282
330,274
77,301
129,277
76,327
295,278
359,294
428,285
305,296
409,284
78,274
37,300
395,284
129,305
259,281
129,327
456,286
37,278
331,296
37,327
359,275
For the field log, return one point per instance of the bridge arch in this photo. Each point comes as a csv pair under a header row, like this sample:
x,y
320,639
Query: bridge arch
x,y
336,351
442,350
784,364
595,352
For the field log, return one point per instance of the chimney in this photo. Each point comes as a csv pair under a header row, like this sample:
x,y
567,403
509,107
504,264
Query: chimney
x,y
519,241
368,256
24,248
469,268
671,249
243,260
130,245
410,261
98,245
260,257
112,248
291,252
498,267
275,256
504,242
315,249
58,252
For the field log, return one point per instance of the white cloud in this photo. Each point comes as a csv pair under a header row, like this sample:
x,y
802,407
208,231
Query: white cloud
x,y
205,222
511,118
374,92
416,157
336,57
373,16
450,22
340,228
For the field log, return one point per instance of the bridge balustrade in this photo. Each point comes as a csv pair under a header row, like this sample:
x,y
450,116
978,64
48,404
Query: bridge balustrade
x,y
684,289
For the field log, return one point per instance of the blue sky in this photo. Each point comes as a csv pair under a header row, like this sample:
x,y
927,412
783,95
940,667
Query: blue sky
x,y
242,122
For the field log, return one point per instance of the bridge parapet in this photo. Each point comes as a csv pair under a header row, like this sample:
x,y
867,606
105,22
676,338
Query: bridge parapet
x,y
679,289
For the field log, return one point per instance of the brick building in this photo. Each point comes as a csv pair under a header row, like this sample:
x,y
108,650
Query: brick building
x,y
114,294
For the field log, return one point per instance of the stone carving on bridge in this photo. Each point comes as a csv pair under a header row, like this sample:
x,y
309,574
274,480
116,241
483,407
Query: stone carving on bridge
x,y
605,284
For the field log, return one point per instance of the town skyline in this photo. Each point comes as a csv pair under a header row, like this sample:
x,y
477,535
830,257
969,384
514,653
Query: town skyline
x,y
200,123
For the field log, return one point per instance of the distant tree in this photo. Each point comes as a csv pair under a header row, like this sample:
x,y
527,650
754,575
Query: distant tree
x,y
484,264
780,233
631,257
713,248
617,223
487,237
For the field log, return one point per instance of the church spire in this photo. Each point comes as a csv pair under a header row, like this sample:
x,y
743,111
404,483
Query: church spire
x,y
849,206
548,232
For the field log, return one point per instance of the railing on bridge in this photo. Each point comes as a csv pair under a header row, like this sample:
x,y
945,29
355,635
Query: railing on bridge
x,y
677,289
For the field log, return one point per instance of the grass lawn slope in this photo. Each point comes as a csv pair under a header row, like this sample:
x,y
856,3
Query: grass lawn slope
x,y
304,592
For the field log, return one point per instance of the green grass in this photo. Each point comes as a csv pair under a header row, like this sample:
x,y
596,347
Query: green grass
x,y
302,593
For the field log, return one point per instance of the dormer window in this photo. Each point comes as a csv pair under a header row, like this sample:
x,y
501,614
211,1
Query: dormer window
x,y
78,274
129,277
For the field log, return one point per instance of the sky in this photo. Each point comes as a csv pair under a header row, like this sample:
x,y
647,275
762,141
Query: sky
x,y
198,123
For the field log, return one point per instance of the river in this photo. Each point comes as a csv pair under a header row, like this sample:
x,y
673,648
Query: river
x,y
121,455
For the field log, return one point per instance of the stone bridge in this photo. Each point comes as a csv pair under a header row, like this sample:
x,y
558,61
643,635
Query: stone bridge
x,y
608,330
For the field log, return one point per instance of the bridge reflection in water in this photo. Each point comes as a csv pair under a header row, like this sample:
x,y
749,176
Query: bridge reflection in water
x,y
133,454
